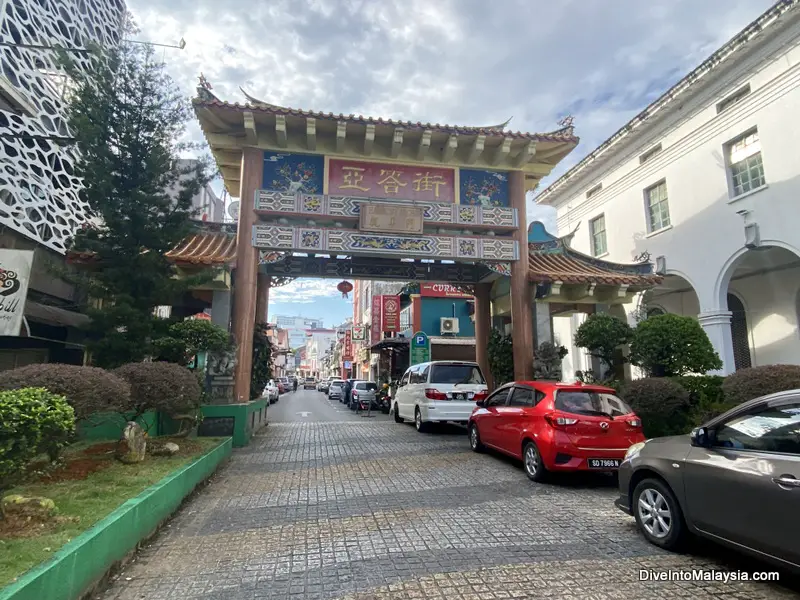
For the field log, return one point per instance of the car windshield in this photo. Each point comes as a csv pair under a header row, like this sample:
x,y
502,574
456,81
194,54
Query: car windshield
x,y
309,379
456,374
583,402
366,385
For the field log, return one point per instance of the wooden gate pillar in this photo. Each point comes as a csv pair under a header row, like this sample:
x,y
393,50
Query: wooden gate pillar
x,y
483,328
244,294
262,299
521,299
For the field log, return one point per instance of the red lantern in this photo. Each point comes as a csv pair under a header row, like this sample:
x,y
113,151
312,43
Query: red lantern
x,y
345,287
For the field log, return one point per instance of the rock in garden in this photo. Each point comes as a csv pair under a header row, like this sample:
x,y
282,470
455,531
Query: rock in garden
x,y
23,506
132,447
168,449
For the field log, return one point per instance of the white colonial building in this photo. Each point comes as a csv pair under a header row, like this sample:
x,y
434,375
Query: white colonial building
x,y
706,180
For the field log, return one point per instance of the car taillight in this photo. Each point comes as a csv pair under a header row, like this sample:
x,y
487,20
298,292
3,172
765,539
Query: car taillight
x,y
635,422
560,421
432,394
480,396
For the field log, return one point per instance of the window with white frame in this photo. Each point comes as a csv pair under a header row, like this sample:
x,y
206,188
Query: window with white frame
x,y
745,164
597,229
657,207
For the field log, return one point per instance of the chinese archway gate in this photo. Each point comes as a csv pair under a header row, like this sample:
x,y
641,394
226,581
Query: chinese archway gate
x,y
351,197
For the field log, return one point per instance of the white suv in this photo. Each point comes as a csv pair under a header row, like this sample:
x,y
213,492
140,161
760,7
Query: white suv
x,y
439,391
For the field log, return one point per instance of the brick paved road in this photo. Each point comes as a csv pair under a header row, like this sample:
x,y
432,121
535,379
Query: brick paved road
x,y
358,509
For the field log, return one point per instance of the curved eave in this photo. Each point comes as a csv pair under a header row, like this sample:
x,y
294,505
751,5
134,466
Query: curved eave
x,y
570,267
230,127
204,250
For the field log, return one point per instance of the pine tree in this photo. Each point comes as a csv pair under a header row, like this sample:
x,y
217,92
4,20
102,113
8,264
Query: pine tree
x,y
128,120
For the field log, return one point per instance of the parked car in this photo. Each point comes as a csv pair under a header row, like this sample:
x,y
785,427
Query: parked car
x,y
323,385
735,480
556,426
363,395
439,391
284,384
271,391
309,383
336,390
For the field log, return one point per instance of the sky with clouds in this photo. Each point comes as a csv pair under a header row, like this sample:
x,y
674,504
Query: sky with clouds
x,y
465,62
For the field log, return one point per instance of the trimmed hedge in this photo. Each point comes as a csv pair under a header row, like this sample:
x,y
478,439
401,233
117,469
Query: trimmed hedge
x,y
747,384
662,404
160,386
32,421
89,390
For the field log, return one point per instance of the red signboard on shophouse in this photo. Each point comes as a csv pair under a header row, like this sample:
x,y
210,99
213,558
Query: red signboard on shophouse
x,y
375,333
441,290
347,353
390,318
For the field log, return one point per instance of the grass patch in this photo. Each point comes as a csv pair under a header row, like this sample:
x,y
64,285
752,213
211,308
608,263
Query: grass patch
x,y
84,496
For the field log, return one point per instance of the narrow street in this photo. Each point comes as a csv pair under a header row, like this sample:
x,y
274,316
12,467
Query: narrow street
x,y
325,504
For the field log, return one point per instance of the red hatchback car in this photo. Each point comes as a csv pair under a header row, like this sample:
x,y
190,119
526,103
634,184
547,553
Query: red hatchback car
x,y
556,426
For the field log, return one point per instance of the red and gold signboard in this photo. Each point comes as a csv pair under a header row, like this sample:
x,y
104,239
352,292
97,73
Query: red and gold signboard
x,y
379,180
390,319
347,353
375,328
441,290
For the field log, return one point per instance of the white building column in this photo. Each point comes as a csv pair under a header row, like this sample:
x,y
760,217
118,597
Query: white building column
x,y
717,325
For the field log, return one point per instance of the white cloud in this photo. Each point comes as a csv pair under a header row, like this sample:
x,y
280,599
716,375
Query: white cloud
x,y
450,61
308,291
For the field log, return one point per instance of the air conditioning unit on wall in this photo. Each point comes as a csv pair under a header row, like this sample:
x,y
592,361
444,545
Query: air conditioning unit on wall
x,y
449,325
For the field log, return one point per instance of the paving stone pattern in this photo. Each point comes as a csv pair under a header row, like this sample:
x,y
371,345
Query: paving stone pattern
x,y
363,510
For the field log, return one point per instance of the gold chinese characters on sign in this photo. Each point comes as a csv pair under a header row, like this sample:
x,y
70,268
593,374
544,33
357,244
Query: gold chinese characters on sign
x,y
391,218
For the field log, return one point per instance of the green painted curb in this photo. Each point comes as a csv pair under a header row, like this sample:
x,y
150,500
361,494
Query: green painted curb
x,y
248,418
82,562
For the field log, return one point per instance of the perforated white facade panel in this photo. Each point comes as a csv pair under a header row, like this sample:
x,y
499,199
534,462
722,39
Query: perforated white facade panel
x,y
39,193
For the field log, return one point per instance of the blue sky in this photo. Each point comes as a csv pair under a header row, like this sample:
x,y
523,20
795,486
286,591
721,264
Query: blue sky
x,y
465,62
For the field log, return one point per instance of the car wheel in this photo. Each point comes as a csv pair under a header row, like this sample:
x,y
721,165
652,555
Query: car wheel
x,y
397,417
421,426
475,438
532,461
658,514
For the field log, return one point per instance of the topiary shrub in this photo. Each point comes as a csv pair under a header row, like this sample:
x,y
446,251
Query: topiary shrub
x,y
187,338
662,404
501,357
672,345
89,390
32,420
747,384
602,334
160,386
706,397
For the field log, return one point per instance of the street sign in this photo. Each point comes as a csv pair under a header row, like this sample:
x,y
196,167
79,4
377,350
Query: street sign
x,y
359,333
420,348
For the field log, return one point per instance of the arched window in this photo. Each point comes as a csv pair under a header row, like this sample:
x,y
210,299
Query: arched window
x,y
739,333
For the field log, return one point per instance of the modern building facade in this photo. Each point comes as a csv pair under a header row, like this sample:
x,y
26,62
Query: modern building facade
x,y
40,205
705,181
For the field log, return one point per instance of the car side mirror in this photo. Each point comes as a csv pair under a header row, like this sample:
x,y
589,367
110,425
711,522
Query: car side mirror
x,y
481,403
701,437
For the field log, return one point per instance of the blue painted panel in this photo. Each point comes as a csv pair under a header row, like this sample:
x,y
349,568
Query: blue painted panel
x,y
483,188
287,172
433,309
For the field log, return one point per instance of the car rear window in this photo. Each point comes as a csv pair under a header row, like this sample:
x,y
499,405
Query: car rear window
x,y
337,383
367,385
455,374
584,402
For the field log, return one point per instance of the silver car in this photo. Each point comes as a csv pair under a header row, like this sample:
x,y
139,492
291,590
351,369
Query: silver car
x,y
364,394
735,480
336,390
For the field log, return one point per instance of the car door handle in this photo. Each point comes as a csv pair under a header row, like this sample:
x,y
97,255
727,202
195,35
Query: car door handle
x,y
787,481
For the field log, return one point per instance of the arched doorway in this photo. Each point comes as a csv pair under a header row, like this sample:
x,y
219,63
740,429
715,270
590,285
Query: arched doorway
x,y
675,295
760,288
740,335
